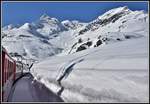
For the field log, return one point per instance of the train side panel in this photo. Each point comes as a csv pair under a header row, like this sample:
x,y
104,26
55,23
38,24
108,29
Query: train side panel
x,y
3,73
3,67
8,74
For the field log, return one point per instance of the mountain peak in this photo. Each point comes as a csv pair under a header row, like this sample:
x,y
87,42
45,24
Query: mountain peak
x,y
44,16
48,19
70,24
9,27
120,9
123,8
26,26
114,11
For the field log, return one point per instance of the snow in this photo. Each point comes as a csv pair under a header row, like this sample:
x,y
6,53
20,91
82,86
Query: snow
x,y
115,11
72,24
112,73
125,25
30,39
25,26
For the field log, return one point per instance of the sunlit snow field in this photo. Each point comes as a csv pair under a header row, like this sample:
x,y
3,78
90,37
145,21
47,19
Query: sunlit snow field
x,y
112,73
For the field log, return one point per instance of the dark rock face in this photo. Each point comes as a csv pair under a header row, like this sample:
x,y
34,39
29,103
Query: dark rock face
x,y
88,43
127,36
82,47
83,31
118,39
99,42
80,40
101,22
24,36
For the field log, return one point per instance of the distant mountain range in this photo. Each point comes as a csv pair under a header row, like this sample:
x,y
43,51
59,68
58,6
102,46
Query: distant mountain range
x,y
48,36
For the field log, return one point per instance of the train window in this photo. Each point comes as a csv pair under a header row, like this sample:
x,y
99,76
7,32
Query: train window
x,y
8,69
12,67
5,66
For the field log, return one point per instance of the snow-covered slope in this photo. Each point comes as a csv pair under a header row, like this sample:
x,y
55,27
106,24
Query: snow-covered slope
x,y
115,25
39,39
72,24
112,73
28,43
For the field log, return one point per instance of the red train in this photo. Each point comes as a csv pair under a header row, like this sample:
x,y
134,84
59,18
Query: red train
x,y
8,73
11,70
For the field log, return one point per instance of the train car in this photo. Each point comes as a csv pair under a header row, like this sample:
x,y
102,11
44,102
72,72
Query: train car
x,y
8,74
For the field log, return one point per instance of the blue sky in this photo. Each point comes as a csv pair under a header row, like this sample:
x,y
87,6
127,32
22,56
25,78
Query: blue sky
x,y
21,12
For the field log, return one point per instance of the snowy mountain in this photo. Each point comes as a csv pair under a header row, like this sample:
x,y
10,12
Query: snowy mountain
x,y
72,24
29,41
115,25
48,36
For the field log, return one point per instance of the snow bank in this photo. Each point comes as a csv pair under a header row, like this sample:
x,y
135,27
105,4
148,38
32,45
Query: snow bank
x,y
111,73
